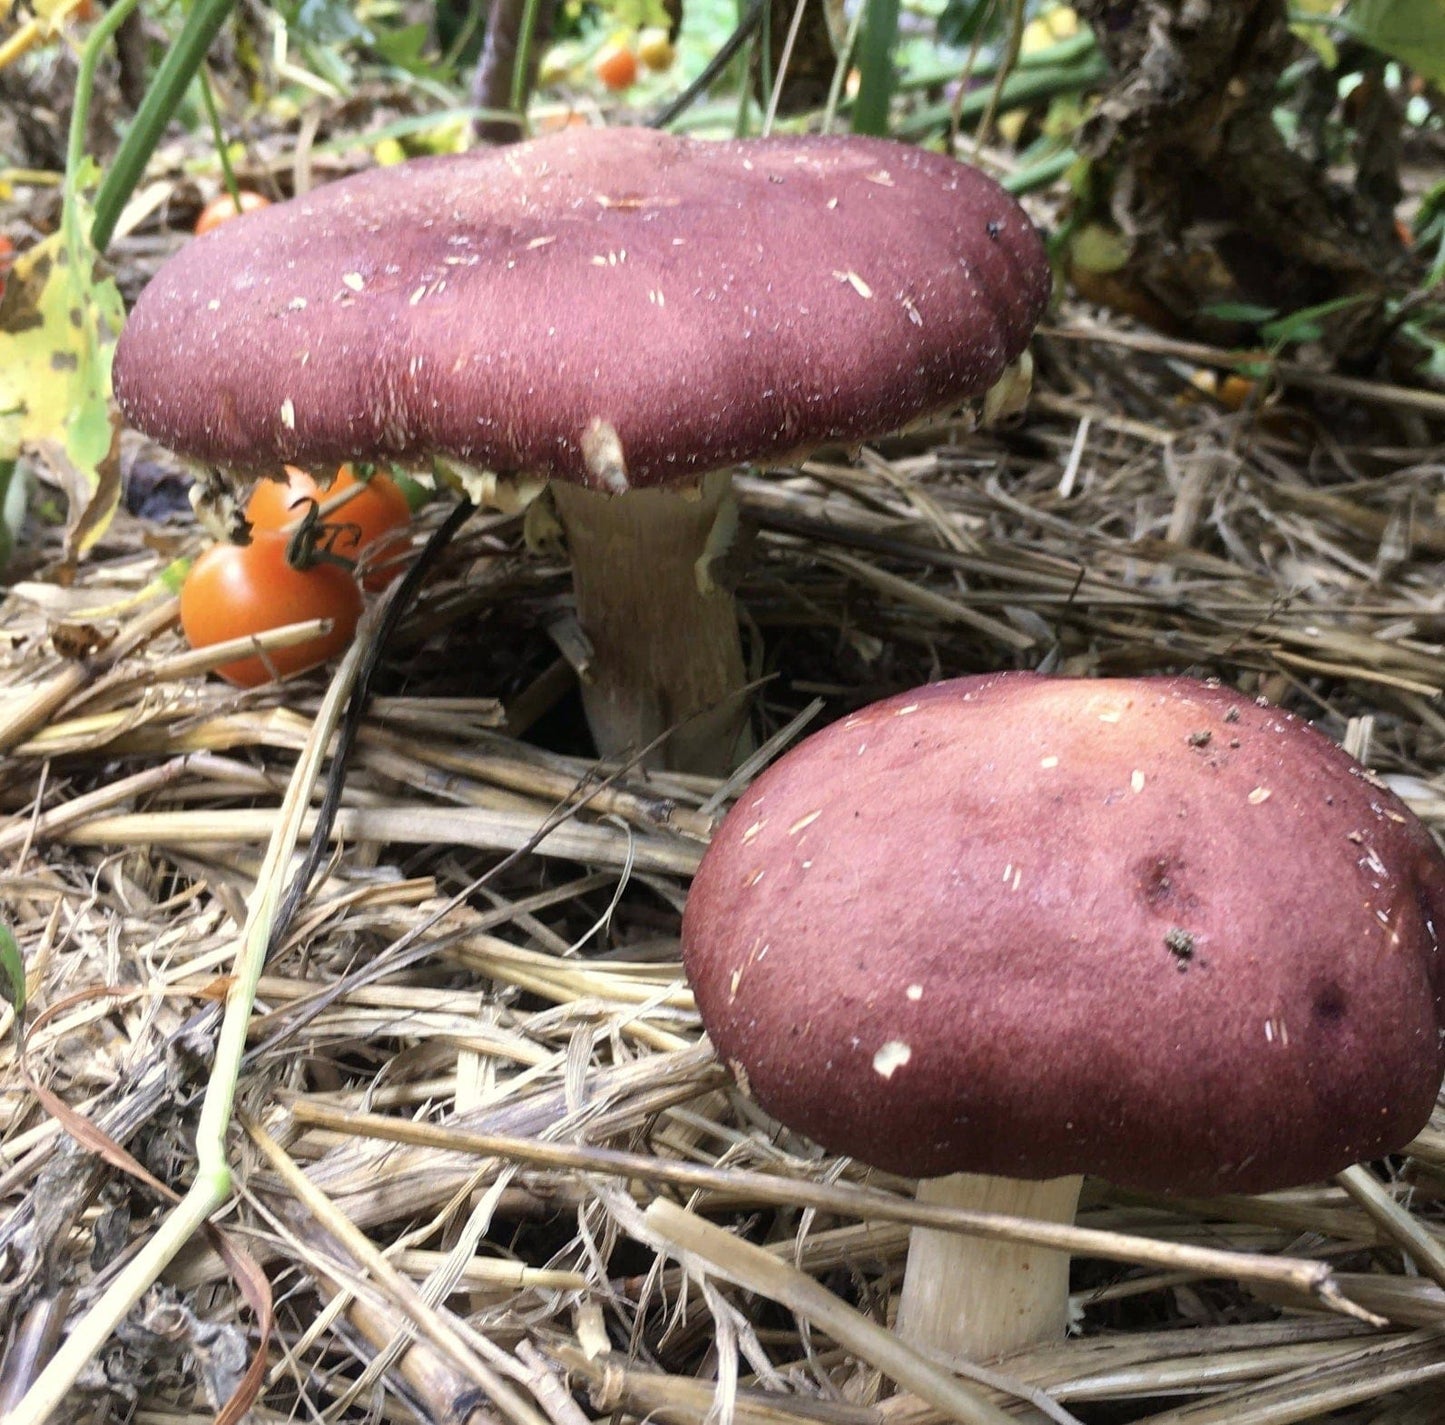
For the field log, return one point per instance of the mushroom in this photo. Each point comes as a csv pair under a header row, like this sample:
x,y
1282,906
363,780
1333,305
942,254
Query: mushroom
x,y
625,313
1003,931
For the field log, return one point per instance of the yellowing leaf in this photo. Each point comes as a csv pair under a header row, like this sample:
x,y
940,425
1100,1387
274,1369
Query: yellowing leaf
x,y
58,324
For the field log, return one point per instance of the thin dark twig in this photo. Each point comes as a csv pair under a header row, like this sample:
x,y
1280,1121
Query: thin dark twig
x,y
751,19
396,606
412,946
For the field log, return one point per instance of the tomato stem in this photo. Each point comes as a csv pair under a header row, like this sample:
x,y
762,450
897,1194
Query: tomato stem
x,y
312,540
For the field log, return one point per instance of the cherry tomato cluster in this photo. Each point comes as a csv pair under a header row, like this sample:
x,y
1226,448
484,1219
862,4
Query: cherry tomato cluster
x,y
616,65
310,554
359,521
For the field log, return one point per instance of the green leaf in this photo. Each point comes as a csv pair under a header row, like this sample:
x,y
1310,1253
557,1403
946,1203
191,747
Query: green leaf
x,y
405,48
173,576
1240,312
1430,233
326,22
1412,31
416,493
1304,325
12,974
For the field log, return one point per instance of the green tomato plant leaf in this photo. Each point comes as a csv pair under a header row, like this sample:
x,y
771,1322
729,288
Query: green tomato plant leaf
x,y
1412,31
407,48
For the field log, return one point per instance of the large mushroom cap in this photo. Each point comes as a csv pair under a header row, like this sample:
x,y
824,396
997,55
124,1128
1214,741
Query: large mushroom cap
x,y
1029,927
612,307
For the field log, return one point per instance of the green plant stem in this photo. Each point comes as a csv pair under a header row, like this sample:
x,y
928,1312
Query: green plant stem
x,y
476,14
167,89
212,1184
90,53
228,174
1027,86
876,77
745,90
764,50
985,66
1064,55
840,72
1041,173
1007,64
53,1383
523,61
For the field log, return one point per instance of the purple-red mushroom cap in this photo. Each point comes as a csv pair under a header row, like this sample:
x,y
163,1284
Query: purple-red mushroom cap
x,y
616,308
1029,927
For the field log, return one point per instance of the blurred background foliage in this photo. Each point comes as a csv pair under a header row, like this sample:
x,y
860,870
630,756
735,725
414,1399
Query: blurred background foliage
x,y
1260,175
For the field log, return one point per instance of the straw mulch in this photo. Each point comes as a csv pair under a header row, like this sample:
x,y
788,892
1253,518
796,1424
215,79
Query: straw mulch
x,y
475,1070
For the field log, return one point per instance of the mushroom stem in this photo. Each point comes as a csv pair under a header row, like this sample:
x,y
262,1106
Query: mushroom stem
x,y
665,643
967,1296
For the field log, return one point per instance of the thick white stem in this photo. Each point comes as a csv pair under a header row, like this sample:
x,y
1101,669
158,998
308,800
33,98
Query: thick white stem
x,y
665,643
965,1296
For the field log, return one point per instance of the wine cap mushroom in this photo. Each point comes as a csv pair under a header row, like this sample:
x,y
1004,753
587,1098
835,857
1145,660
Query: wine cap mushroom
x,y
617,308
1025,926
621,311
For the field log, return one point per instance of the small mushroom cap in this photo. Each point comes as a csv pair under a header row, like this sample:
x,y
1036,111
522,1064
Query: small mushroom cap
x,y
1029,926
611,307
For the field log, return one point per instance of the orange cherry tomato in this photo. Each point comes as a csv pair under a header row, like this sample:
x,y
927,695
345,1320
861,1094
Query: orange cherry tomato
x,y
222,208
7,258
615,65
367,529
235,590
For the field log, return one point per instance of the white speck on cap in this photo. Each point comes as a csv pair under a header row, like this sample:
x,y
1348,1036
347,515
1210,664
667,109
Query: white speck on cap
x,y
891,1057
